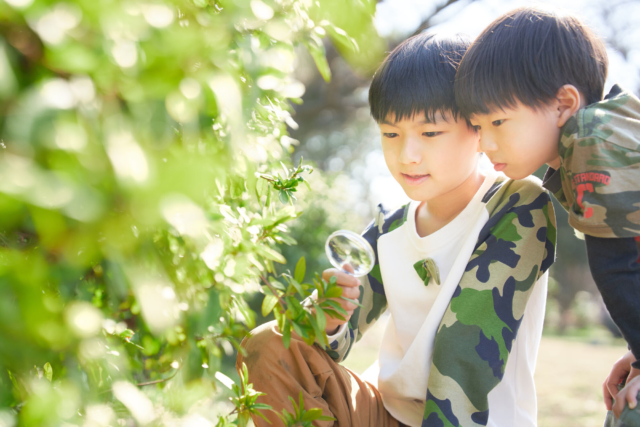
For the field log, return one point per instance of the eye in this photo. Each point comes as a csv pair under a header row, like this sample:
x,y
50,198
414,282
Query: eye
x,y
430,134
389,135
476,128
497,122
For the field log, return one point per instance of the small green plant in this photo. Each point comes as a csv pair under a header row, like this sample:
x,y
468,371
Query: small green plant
x,y
302,417
245,399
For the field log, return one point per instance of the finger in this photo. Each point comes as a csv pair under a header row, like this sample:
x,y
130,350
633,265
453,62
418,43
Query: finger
x,y
348,306
343,279
632,398
347,267
619,405
634,373
612,386
351,293
608,400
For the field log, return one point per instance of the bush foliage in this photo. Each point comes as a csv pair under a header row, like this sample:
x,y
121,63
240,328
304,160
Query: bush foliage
x,y
145,190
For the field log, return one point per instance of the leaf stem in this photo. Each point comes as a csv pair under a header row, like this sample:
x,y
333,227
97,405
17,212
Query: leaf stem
x,y
273,291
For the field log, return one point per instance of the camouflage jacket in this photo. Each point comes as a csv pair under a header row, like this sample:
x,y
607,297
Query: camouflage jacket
x,y
598,182
628,418
514,248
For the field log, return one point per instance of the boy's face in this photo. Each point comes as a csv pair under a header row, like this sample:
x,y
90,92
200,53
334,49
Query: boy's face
x,y
519,140
429,159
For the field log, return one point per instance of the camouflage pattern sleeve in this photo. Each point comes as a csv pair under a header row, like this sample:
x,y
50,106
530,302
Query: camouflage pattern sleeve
x,y
475,336
628,418
600,171
372,296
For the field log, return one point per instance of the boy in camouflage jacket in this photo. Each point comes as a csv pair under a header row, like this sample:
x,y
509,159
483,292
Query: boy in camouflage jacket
x,y
462,270
532,84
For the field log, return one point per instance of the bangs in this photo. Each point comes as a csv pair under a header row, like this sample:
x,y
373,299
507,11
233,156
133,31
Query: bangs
x,y
524,57
417,77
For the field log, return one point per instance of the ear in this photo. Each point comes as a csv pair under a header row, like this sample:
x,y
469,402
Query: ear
x,y
569,101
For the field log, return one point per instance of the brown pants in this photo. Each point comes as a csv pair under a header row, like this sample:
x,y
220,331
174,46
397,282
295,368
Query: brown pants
x,y
281,373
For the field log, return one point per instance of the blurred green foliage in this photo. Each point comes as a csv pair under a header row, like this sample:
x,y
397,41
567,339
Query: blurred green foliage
x,y
143,200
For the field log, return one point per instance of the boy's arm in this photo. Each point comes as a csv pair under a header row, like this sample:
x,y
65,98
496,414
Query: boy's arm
x,y
472,345
372,299
362,319
616,271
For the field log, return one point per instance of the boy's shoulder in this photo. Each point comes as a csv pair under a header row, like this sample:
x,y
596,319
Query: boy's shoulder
x,y
503,191
604,129
386,220
600,150
506,194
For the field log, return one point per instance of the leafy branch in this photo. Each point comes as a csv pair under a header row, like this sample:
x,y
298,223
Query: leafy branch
x,y
288,184
308,319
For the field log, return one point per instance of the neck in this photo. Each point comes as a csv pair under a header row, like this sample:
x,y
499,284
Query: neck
x,y
441,210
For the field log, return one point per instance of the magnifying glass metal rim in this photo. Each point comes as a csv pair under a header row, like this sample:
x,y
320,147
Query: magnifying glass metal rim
x,y
353,236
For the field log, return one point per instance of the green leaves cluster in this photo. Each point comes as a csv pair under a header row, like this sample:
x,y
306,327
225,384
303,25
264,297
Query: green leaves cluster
x,y
308,320
286,185
302,417
140,146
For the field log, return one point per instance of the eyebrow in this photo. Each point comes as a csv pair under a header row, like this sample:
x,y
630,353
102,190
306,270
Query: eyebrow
x,y
421,122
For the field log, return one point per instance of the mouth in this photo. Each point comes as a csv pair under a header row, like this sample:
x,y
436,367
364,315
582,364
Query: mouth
x,y
499,166
415,179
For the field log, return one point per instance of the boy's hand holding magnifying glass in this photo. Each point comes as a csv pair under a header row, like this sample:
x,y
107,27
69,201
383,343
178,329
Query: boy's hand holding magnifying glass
x,y
352,257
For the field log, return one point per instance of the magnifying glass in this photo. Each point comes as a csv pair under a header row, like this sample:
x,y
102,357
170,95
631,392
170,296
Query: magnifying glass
x,y
346,247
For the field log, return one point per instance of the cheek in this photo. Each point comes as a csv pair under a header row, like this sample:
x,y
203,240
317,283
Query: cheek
x,y
455,157
390,157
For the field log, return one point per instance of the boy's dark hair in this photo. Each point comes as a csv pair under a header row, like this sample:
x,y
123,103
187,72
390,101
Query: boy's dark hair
x,y
417,77
526,55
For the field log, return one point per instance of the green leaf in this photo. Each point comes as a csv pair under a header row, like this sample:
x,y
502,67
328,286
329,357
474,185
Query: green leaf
x,y
271,254
286,334
301,268
268,303
340,36
352,301
267,204
279,286
260,414
300,330
297,287
319,334
261,406
334,292
334,314
127,334
311,414
318,54
284,197
321,317
336,307
48,371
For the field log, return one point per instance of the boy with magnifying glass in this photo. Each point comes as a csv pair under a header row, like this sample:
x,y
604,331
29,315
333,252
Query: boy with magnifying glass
x,y
461,268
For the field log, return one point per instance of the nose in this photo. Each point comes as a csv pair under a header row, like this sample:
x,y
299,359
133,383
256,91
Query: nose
x,y
410,151
487,143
